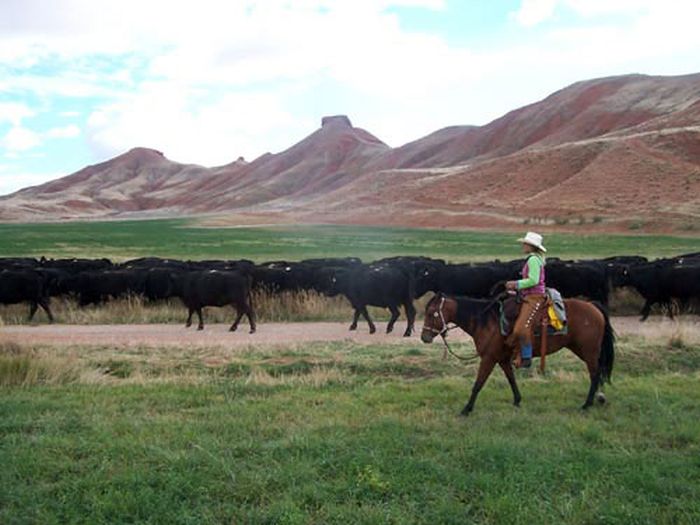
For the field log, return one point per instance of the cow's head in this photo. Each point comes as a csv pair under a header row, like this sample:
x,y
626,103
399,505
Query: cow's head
x,y
620,275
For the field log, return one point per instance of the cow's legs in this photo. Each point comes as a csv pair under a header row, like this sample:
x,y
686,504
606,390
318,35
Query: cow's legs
x,y
250,313
44,303
355,318
365,314
239,315
485,368
394,316
201,320
671,307
411,316
33,307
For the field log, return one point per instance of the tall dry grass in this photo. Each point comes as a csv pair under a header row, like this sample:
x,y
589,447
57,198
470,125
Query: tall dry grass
x,y
23,366
281,307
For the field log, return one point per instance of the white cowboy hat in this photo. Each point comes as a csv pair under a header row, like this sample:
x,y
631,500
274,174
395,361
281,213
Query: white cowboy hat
x,y
533,239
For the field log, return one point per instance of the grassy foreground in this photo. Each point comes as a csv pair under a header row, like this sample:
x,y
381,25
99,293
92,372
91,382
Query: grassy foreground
x,y
342,433
120,240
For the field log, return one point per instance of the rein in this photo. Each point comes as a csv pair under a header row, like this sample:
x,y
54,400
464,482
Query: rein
x,y
443,334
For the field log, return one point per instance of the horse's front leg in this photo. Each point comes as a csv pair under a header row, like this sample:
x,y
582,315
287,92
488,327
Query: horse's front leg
x,y
507,367
485,368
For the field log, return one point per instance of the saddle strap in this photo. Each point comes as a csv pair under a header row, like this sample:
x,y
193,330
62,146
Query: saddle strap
x,y
543,340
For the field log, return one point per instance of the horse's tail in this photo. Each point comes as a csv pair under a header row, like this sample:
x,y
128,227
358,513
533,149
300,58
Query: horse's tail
x,y
607,348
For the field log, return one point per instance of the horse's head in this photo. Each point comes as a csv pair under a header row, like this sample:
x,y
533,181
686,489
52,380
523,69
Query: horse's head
x,y
439,312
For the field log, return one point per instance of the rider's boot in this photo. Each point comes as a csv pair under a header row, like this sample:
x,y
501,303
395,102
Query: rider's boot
x,y
526,355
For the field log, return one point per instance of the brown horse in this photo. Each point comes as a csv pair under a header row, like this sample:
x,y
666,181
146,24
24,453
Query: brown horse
x,y
590,336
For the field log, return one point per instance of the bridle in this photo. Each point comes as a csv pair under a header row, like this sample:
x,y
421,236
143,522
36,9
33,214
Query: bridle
x,y
443,332
445,327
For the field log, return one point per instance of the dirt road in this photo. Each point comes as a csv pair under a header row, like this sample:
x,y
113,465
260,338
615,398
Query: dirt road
x,y
274,334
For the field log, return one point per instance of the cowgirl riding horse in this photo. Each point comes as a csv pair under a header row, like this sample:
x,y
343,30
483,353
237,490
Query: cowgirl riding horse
x,y
589,334
532,292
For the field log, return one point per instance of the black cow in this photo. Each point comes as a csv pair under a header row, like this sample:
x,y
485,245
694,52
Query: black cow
x,y
75,266
55,281
281,276
465,279
148,263
98,286
162,283
338,262
687,259
241,265
587,279
661,282
19,286
682,281
217,288
18,263
424,271
368,285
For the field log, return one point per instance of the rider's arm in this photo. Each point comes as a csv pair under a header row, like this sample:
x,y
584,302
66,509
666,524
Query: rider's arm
x,y
534,267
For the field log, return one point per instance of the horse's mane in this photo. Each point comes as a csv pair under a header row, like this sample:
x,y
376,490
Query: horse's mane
x,y
479,310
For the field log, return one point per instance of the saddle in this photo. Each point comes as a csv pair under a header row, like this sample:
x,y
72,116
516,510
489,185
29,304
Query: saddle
x,y
550,316
553,309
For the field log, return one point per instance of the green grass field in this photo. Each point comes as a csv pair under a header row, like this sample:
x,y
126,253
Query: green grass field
x,y
120,240
334,432
343,433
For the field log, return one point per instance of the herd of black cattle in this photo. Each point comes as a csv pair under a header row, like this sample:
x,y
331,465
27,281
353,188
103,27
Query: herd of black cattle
x,y
389,283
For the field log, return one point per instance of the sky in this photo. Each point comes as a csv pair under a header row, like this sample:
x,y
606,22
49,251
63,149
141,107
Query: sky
x,y
207,81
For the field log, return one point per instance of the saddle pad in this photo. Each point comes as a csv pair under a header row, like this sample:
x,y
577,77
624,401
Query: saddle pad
x,y
557,304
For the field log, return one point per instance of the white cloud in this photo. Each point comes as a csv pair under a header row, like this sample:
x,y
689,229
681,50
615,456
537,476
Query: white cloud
x,y
215,132
66,132
14,112
533,12
590,8
19,138
12,180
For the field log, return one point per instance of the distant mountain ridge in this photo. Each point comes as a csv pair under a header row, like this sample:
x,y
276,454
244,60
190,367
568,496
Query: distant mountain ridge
x,y
612,152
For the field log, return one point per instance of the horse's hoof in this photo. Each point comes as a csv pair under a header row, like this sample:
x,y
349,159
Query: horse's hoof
x,y
252,331
407,334
600,397
389,329
233,329
372,330
353,327
586,406
200,327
